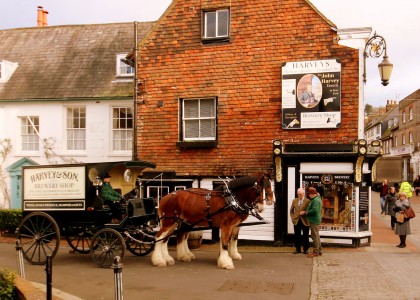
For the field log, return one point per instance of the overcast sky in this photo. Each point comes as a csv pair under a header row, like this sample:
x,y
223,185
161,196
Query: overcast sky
x,y
397,21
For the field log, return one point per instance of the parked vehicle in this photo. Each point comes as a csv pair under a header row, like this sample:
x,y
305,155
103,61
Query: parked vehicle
x,y
390,168
65,200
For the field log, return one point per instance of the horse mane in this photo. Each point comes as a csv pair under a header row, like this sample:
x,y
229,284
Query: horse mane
x,y
239,182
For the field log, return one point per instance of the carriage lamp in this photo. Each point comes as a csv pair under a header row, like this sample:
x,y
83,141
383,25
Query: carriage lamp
x,y
97,182
277,147
375,47
362,146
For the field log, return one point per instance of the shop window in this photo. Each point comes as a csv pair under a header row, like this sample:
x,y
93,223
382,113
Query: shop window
x,y
215,25
338,206
157,192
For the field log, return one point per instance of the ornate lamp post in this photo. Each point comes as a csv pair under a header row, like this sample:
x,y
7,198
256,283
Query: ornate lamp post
x,y
375,47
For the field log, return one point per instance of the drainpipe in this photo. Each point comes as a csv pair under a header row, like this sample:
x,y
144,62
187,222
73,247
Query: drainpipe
x,y
135,155
40,19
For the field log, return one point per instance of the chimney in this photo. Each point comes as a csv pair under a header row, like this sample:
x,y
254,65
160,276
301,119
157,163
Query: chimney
x,y
45,23
40,19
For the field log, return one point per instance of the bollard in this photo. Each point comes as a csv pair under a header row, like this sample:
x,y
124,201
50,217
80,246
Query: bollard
x,y
21,265
48,269
117,266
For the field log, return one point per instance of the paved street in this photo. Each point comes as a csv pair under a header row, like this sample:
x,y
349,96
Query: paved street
x,y
374,272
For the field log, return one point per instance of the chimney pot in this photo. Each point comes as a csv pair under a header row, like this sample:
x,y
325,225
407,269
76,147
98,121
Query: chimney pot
x,y
45,23
40,19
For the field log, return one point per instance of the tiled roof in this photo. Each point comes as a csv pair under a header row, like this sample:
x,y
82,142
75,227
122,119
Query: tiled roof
x,y
72,61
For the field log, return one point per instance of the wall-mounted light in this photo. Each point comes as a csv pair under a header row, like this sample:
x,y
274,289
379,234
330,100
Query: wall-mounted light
x,y
375,47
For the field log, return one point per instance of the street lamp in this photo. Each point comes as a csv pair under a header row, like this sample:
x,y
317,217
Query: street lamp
x,y
375,47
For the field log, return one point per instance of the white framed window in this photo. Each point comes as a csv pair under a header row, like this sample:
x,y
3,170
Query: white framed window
x,y
199,119
403,139
410,137
410,114
76,127
122,128
216,24
157,192
403,116
123,69
29,130
396,141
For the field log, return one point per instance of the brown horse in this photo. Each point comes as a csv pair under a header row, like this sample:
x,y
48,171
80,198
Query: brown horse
x,y
225,209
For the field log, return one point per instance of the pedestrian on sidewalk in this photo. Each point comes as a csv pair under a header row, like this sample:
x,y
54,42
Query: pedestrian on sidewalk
x,y
382,195
402,229
300,224
406,188
313,215
390,199
416,185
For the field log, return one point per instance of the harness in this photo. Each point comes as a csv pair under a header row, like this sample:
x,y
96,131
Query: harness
x,y
230,203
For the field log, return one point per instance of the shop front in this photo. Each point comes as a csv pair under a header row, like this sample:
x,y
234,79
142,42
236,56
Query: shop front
x,y
342,176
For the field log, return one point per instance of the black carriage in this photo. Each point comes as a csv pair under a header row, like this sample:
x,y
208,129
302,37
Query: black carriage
x,y
64,200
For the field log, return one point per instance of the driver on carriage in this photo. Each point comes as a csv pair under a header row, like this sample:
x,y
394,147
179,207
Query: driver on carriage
x,y
111,198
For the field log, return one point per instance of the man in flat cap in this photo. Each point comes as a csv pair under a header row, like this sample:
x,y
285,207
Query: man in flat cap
x,y
313,215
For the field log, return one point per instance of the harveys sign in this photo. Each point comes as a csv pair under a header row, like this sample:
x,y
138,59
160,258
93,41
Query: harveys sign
x,y
328,178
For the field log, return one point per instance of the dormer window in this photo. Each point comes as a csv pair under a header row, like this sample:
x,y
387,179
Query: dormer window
x,y
215,25
123,69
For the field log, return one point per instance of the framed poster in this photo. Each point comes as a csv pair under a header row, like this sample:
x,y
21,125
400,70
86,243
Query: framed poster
x,y
311,94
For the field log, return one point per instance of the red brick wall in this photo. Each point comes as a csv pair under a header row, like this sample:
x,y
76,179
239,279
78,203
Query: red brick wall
x,y
245,75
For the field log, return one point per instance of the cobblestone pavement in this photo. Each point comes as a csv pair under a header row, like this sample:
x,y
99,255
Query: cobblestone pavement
x,y
381,271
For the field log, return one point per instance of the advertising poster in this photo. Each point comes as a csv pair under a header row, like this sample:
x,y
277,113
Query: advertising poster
x,y
311,94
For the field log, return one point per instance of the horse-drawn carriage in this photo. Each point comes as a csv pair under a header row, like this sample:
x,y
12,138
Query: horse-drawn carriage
x,y
65,200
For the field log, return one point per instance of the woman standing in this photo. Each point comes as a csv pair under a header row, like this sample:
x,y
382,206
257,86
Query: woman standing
x,y
402,229
390,199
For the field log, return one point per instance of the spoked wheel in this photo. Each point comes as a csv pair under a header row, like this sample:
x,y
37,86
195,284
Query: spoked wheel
x,y
106,244
141,243
40,236
79,237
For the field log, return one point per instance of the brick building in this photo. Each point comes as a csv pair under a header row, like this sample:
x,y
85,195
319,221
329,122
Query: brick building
x,y
222,85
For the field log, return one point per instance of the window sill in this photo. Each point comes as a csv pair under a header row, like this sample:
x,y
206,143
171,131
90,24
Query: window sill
x,y
215,40
197,144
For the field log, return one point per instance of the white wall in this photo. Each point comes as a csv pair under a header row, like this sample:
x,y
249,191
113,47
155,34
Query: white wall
x,y
53,124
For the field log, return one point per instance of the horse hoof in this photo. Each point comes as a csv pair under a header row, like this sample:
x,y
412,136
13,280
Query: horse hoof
x,y
160,264
237,257
228,267
170,262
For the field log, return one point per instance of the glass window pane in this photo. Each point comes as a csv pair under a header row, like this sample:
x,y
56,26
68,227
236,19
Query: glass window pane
x,y
191,109
210,24
192,129
207,108
207,129
222,22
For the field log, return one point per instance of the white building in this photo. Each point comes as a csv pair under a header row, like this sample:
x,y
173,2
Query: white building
x,y
65,97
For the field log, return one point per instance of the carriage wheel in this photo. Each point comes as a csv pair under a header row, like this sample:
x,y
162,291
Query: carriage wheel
x,y
106,244
40,236
144,247
79,238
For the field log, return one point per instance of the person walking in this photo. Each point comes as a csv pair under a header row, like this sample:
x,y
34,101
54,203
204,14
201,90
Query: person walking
x,y
402,229
390,199
382,195
313,215
416,185
406,188
300,224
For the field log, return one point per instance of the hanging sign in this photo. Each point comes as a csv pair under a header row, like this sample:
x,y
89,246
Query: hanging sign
x,y
311,94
